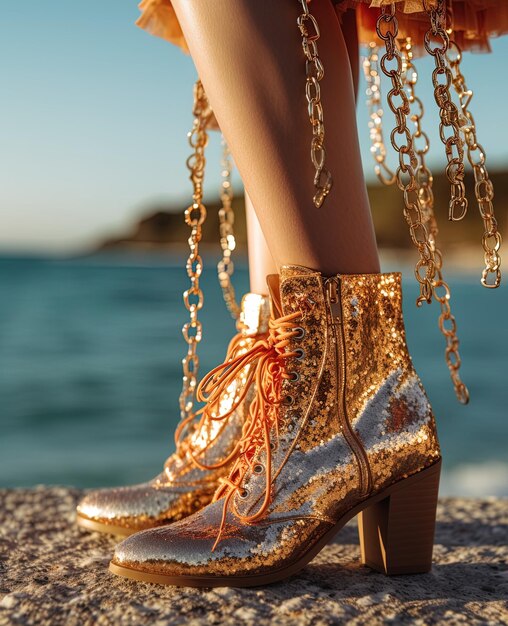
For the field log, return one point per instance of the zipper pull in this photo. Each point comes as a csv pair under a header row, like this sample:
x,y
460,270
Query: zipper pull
x,y
332,289
333,297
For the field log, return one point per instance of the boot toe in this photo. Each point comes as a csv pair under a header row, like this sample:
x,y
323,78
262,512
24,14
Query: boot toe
x,y
176,553
172,550
134,508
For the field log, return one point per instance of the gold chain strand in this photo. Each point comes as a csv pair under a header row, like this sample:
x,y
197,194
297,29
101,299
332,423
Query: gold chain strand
x,y
225,267
195,215
420,139
375,110
423,175
484,189
424,179
449,126
398,101
314,72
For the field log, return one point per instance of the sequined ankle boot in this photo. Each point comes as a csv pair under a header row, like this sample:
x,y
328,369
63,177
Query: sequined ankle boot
x,y
205,449
340,426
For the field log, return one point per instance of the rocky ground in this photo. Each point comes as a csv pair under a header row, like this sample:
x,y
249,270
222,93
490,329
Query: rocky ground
x,y
52,573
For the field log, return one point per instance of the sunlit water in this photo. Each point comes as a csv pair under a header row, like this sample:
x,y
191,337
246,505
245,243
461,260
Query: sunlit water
x,y
91,370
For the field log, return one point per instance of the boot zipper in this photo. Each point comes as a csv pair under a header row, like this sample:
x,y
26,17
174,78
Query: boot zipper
x,y
332,287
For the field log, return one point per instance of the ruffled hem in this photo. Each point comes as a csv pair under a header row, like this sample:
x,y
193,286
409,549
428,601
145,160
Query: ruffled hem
x,y
475,21
158,17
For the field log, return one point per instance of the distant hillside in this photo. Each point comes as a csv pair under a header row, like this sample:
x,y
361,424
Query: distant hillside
x,y
164,226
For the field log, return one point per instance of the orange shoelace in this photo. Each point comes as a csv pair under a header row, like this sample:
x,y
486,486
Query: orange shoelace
x,y
267,359
211,390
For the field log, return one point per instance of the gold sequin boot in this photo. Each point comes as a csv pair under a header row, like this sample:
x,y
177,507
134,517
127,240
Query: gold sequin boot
x,y
340,426
204,454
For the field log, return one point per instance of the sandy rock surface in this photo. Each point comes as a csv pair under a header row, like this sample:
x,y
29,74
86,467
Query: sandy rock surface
x,y
52,573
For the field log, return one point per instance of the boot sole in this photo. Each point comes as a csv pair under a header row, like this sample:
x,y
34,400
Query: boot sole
x,y
99,527
396,529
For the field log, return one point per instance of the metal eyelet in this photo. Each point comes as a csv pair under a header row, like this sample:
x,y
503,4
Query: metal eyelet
x,y
294,377
301,354
244,493
258,468
301,332
288,400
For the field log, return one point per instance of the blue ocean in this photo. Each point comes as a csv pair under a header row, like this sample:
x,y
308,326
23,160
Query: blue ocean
x,y
90,372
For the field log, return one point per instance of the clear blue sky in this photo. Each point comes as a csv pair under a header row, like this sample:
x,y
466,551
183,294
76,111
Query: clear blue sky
x,y
94,114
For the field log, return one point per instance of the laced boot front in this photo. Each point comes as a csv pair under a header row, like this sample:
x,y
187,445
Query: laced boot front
x,y
206,446
340,425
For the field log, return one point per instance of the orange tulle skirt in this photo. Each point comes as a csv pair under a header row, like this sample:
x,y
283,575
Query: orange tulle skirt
x,y
475,22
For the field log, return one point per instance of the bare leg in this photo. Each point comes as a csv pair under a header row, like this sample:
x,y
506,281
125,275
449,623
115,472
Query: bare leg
x,y
252,51
261,262
350,33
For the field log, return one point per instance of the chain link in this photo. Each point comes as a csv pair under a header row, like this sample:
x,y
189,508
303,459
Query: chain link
x,y
375,110
314,72
195,215
225,267
424,180
449,126
484,189
401,140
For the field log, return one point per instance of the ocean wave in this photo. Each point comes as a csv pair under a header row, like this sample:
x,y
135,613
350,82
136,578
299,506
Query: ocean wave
x,y
476,480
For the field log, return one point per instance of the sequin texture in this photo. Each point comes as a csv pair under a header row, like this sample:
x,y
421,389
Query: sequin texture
x,y
354,374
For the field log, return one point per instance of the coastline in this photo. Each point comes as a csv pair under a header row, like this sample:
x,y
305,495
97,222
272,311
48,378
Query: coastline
x,y
459,259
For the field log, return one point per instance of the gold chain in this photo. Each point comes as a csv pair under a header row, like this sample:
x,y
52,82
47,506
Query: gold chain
x,y
195,215
398,101
449,126
314,71
225,267
375,110
484,189
424,180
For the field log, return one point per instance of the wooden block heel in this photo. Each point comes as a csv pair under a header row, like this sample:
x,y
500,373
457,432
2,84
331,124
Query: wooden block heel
x,y
397,533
